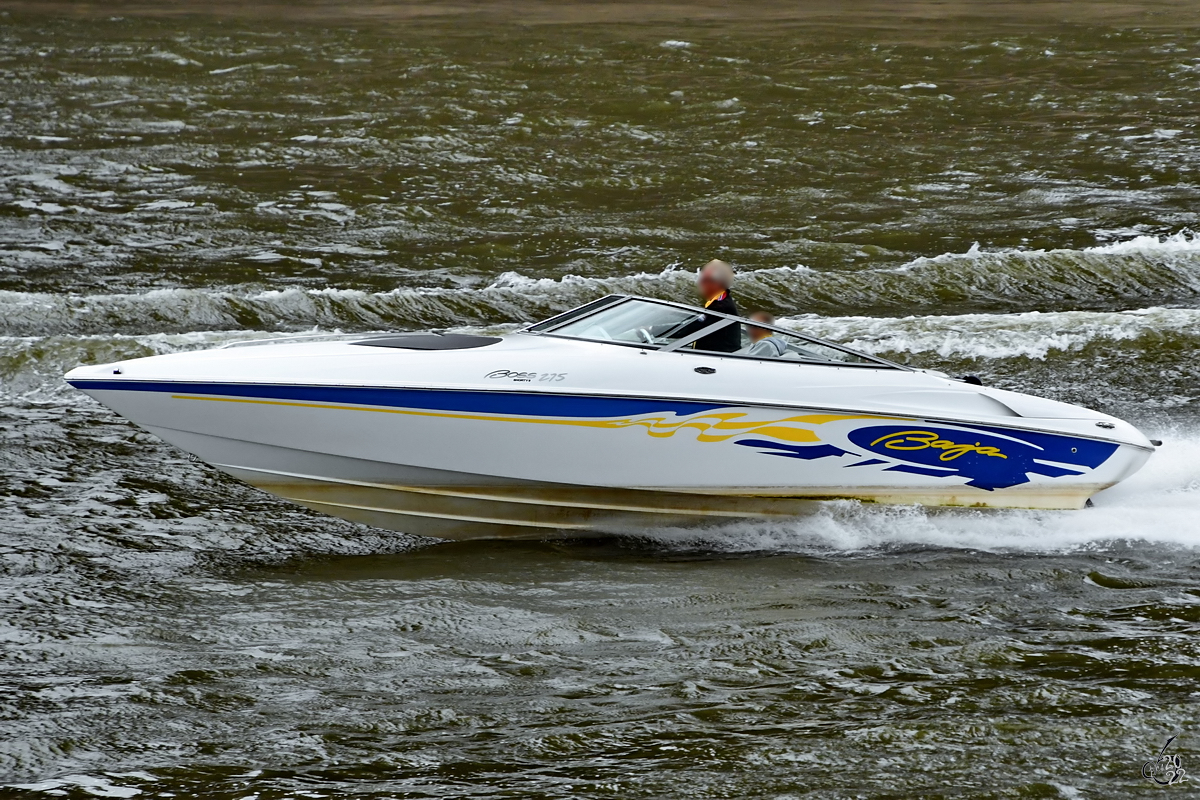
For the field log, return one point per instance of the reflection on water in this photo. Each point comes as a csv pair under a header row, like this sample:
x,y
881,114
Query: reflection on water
x,y
1002,190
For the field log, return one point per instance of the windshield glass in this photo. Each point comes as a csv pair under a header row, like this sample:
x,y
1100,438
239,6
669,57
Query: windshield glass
x,y
636,322
664,326
576,313
759,342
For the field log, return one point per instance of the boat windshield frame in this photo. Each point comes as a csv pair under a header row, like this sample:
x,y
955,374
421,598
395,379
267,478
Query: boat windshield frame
x,y
548,327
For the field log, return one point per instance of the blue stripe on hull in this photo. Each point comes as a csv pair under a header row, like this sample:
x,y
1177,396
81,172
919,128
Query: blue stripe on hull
x,y
468,401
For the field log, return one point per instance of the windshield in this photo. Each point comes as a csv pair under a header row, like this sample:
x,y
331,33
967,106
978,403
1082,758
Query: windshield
x,y
762,342
635,321
660,325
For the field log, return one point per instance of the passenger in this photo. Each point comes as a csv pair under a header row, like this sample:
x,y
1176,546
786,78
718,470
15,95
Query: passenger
x,y
763,341
713,284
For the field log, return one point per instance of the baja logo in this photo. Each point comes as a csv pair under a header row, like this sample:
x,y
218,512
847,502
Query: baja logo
x,y
925,440
990,458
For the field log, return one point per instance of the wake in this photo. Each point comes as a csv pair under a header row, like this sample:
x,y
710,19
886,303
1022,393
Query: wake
x,y
1160,505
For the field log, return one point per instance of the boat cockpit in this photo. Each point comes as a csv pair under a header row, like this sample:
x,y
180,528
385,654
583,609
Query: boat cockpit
x,y
668,327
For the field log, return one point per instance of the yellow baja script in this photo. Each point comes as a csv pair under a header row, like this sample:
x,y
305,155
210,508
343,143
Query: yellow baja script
x,y
924,440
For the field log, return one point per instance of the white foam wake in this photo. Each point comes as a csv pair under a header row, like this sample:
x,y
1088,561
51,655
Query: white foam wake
x,y
1159,504
1181,242
1144,270
992,336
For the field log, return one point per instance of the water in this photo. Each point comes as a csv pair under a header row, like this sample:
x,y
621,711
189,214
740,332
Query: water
x,y
1010,194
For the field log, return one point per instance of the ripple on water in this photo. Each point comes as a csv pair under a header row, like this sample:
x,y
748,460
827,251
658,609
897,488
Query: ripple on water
x,y
171,184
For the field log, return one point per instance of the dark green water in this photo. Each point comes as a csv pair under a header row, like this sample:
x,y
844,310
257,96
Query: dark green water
x,y
1011,196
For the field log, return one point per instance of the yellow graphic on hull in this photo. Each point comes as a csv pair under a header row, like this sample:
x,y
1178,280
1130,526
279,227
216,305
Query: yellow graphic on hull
x,y
724,426
709,427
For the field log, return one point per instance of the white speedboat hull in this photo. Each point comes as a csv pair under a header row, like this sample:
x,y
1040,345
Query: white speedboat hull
x,y
521,439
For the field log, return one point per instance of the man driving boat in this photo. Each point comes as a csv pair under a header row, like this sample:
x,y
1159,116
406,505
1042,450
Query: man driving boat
x,y
713,284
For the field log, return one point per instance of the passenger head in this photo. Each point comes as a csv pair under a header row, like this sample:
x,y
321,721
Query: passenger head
x,y
715,278
758,334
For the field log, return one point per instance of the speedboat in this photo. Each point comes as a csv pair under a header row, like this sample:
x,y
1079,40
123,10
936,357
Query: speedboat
x,y
610,418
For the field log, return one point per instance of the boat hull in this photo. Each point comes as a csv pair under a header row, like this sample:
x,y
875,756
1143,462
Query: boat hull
x,y
465,464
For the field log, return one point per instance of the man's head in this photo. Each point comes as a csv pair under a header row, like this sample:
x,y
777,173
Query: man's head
x,y
714,279
758,334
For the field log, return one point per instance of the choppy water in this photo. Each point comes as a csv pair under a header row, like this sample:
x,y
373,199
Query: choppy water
x,y
1014,200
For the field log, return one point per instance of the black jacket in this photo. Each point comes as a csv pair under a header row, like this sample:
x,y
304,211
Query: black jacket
x,y
725,340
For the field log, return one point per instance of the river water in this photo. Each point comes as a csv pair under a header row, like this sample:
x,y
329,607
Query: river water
x,y
1008,195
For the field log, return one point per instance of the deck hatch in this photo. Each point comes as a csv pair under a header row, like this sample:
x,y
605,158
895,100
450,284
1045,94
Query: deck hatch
x,y
431,341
